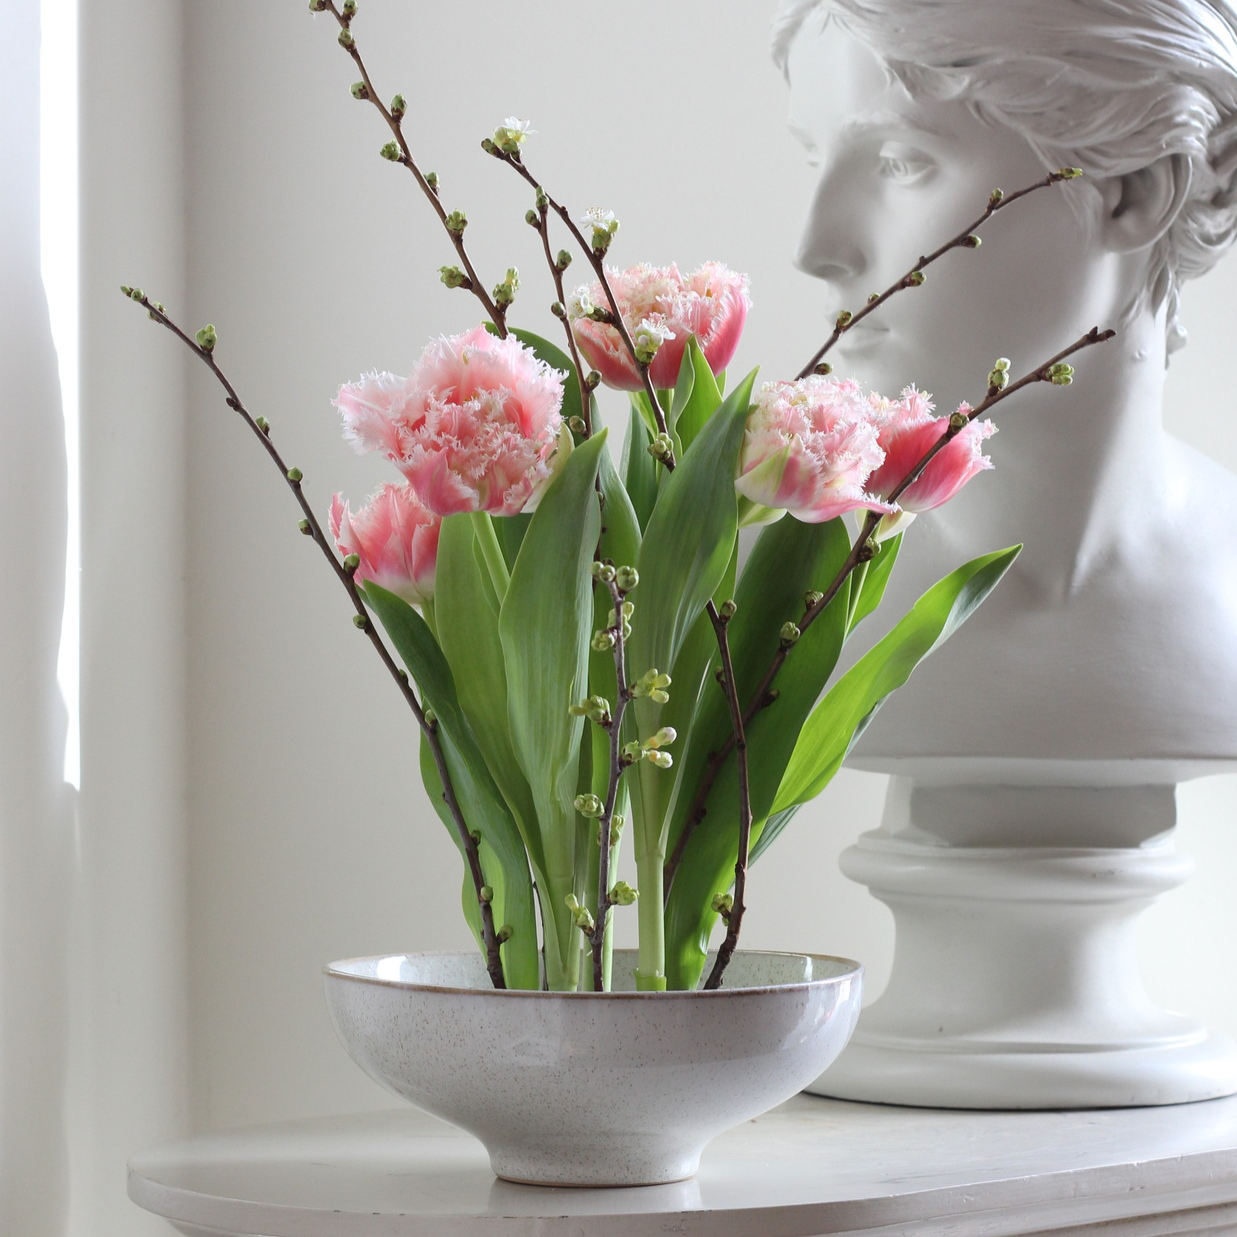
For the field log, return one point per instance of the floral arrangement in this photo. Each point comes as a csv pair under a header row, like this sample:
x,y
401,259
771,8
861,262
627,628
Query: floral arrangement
x,y
584,656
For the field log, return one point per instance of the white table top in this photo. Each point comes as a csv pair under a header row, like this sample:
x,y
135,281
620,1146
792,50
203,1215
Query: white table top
x,y
812,1166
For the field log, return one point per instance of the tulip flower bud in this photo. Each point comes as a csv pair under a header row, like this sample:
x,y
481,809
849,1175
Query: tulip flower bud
x,y
623,894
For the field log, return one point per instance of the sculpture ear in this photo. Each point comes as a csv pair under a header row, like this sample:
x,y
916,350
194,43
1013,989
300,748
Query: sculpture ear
x,y
1140,206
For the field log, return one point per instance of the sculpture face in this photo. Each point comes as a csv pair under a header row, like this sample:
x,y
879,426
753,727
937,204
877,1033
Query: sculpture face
x,y
897,177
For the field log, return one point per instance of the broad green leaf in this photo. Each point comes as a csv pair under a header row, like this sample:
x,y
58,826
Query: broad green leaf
x,y
869,581
511,530
769,834
828,733
638,468
620,526
788,559
704,399
545,626
689,538
467,616
479,799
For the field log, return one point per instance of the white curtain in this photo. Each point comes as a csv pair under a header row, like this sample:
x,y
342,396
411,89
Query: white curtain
x,y
35,808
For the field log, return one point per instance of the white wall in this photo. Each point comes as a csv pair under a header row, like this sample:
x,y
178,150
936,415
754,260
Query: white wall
x,y
310,836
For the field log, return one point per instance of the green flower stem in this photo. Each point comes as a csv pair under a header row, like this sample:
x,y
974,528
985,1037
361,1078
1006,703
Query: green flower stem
x,y
914,277
650,854
491,552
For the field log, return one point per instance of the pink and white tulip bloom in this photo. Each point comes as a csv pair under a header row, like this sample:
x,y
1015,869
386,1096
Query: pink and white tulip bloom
x,y
395,538
711,303
908,431
809,448
474,428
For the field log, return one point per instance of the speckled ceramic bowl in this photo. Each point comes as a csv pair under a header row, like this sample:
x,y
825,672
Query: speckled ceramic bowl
x,y
593,1089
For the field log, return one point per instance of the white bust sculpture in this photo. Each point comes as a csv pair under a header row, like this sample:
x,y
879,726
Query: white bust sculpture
x,y
1115,635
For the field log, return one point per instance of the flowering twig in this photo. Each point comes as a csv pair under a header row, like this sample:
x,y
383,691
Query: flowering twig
x,y
558,263
203,347
398,151
1055,371
966,239
596,259
731,907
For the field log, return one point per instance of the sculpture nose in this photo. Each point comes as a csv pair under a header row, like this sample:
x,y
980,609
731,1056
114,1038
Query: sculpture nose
x,y
829,247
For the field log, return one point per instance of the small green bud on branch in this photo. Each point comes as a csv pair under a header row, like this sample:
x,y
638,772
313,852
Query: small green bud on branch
x,y
581,916
812,597
728,609
592,379
305,527
456,222
588,805
1069,173
822,368
504,934
207,339
996,197
317,6
603,572
263,424
958,420
346,41
485,893
349,9
916,279
399,105
562,261
652,684
595,708
662,448
390,151
723,904
623,894
351,563
789,634
603,642
453,277
626,579
295,476
577,426
360,90
972,242
361,622
845,318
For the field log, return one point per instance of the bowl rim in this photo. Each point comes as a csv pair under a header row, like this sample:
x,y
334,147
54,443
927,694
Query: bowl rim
x,y
854,970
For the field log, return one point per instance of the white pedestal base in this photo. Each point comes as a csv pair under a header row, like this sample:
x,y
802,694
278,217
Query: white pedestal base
x,y
1015,981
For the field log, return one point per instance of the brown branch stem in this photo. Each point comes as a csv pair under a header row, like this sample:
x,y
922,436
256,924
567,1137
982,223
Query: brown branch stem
x,y
313,528
734,914
475,285
914,277
859,551
597,262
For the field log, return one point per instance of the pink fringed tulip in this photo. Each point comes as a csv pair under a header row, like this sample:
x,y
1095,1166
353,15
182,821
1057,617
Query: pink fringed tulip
x,y
908,432
395,538
472,429
809,448
710,303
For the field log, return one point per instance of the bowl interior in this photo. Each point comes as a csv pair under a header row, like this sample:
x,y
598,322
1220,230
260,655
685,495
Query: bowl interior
x,y
748,969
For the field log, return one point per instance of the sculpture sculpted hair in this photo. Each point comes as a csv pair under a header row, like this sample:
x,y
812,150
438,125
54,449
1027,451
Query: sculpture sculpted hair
x,y
1107,85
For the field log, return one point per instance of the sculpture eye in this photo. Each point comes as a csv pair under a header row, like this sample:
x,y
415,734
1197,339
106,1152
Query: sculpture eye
x,y
903,164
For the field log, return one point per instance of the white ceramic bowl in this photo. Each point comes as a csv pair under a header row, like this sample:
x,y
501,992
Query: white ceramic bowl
x,y
593,1089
